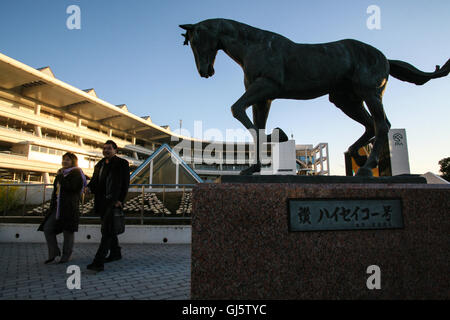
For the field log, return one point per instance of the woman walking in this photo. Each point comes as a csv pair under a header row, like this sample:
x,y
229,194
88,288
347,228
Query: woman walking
x,y
63,215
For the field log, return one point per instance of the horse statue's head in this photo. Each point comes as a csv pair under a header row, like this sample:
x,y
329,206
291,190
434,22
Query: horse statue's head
x,y
205,44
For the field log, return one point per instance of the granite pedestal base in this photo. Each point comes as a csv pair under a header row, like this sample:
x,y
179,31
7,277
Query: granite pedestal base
x,y
242,247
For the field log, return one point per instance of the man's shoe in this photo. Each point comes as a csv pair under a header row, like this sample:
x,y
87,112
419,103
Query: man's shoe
x,y
49,261
112,258
96,267
115,254
65,258
52,260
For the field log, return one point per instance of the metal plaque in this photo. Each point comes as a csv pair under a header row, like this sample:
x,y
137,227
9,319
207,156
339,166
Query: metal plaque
x,y
344,214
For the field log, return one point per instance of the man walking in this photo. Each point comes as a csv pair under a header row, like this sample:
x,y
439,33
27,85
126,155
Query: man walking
x,y
109,184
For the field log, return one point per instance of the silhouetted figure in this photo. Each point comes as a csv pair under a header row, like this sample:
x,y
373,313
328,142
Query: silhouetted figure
x,y
109,184
63,215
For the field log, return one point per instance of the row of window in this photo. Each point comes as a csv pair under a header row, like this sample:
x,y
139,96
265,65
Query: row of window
x,y
47,150
309,159
18,126
225,167
58,152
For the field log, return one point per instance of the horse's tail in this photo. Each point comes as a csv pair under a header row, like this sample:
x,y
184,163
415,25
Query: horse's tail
x,y
406,72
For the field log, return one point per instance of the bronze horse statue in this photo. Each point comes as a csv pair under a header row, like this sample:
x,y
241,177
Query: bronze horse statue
x,y
349,71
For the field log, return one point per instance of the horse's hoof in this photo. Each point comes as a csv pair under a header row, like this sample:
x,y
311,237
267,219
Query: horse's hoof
x,y
364,172
250,170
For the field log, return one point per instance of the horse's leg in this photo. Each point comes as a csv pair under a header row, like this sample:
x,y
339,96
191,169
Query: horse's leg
x,y
382,125
260,90
260,115
353,107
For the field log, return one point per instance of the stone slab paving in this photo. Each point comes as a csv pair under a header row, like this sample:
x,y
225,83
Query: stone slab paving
x,y
146,272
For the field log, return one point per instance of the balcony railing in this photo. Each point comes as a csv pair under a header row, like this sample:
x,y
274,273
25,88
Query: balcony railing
x,y
144,204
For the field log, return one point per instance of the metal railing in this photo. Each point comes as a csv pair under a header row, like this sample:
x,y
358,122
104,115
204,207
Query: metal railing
x,y
144,203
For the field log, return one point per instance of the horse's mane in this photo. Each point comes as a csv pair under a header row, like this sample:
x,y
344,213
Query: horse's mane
x,y
240,30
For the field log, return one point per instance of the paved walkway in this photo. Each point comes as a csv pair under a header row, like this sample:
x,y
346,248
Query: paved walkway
x,y
150,271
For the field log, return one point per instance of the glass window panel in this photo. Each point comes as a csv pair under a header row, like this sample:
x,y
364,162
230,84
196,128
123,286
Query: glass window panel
x,y
164,170
143,176
185,177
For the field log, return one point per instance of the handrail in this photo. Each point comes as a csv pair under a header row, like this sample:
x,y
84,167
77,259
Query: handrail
x,y
131,185
142,204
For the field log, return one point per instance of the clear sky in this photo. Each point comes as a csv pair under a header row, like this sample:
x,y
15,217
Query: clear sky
x,y
131,52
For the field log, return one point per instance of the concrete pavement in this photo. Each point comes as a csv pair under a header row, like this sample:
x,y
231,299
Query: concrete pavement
x,y
146,271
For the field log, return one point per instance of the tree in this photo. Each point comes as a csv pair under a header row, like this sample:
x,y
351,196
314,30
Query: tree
x,y
445,168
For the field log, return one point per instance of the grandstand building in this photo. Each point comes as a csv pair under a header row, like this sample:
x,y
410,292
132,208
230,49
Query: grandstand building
x,y
42,117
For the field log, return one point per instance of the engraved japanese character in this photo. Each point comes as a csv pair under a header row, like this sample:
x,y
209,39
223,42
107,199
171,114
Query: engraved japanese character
x,y
355,214
304,215
387,213
344,213
367,212
322,213
335,214
328,215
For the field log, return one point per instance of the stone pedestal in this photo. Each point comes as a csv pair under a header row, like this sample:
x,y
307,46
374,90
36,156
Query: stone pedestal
x,y
242,247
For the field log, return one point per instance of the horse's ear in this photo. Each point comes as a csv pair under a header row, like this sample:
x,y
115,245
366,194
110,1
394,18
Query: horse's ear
x,y
187,27
186,39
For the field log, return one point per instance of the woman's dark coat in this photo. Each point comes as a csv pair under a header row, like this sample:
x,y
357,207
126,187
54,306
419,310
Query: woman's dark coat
x,y
69,202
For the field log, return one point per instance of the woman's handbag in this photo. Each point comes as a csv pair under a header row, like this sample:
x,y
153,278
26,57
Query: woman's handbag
x,y
118,220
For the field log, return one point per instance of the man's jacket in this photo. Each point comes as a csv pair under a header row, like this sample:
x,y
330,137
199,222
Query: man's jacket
x,y
117,181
